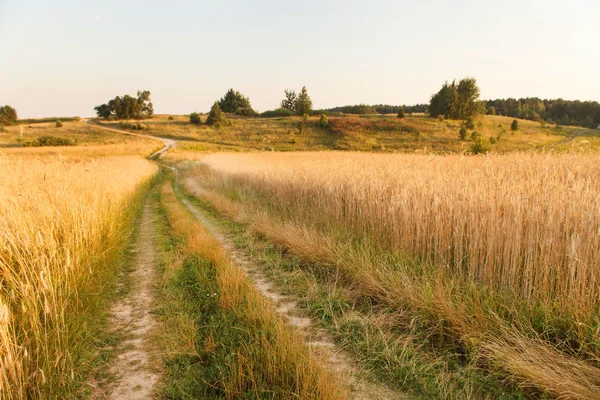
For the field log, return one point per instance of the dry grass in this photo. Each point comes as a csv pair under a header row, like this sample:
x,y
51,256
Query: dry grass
x,y
90,141
273,359
508,246
60,224
380,133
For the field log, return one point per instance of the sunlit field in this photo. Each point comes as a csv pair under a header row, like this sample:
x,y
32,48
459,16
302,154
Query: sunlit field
x,y
62,223
496,255
373,133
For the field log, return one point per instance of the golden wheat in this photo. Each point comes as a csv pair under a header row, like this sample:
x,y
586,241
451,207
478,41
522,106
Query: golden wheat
x,y
523,223
60,222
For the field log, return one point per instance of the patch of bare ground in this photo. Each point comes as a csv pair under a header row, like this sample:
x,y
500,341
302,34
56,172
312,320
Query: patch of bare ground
x,y
136,368
317,339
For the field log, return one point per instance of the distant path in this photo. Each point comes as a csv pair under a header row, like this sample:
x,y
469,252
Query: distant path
x,y
168,143
572,136
136,368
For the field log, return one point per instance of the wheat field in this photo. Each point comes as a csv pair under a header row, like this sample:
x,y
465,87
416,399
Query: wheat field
x,y
504,250
61,222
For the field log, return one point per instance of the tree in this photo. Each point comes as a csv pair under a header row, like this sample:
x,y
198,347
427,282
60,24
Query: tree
x,y
127,107
481,146
491,110
324,121
303,103
470,123
514,126
215,117
236,103
462,133
289,103
468,96
457,101
58,123
401,113
195,118
8,115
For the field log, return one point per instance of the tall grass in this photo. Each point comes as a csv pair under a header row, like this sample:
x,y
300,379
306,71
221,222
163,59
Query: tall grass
x,y
61,223
526,224
248,347
506,247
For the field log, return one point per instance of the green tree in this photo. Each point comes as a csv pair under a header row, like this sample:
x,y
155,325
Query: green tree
x,y
289,103
468,97
491,110
127,107
401,113
8,115
215,117
303,103
514,126
58,123
234,102
324,121
481,146
195,118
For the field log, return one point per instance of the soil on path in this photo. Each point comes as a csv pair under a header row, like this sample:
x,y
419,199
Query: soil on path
x,y
136,368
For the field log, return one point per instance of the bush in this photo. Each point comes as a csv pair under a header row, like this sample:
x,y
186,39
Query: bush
x,y
514,126
171,118
491,110
246,112
324,121
215,117
462,133
492,140
58,123
280,112
470,123
481,146
195,118
50,141
475,135
134,126
401,113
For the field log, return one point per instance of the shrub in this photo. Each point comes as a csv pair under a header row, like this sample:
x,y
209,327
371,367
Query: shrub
x,y
246,112
470,123
462,133
441,118
492,140
280,112
171,118
401,113
215,117
491,110
134,126
324,121
514,126
50,141
58,123
195,118
481,146
475,135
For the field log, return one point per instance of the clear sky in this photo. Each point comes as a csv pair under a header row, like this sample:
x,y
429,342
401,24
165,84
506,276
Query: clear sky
x,y
63,57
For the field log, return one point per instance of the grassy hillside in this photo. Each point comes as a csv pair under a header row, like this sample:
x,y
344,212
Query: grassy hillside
x,y
85,139
381,133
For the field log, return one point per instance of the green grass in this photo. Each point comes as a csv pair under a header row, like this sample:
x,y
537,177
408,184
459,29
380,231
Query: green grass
x,y
221,338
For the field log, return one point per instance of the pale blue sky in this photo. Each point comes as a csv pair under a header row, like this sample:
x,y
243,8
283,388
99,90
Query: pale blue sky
x,y
60,58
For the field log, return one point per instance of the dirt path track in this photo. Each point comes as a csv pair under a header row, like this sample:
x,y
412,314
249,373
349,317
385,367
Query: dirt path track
x,y
136,367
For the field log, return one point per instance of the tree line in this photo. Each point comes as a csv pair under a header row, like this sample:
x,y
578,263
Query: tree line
x,y
557,111
455,100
